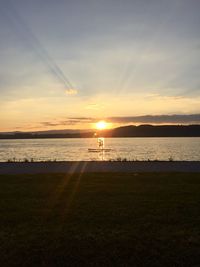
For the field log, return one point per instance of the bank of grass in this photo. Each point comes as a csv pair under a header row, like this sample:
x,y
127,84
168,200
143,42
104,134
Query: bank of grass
x,y
100,220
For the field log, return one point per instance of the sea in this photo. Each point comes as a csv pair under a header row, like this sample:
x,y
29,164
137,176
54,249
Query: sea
x,y
73,149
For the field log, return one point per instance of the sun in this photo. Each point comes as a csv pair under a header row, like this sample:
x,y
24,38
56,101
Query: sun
x,y
101,125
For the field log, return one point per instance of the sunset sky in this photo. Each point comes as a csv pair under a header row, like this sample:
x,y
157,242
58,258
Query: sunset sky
x,y
66,64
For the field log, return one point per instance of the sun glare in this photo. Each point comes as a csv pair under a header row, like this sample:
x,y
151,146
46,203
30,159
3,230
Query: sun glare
x,y
101,125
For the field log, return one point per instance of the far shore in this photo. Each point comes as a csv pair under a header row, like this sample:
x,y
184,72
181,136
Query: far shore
x,y
98,166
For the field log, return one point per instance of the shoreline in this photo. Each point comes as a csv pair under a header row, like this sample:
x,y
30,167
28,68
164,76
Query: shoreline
x,y
98,166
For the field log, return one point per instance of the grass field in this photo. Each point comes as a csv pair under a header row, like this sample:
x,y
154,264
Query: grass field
x,y
100,220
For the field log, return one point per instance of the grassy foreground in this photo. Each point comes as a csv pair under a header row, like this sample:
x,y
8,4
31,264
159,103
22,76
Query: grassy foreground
x,y
100,220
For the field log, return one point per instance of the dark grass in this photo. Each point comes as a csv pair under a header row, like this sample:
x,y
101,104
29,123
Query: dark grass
x,y
100,220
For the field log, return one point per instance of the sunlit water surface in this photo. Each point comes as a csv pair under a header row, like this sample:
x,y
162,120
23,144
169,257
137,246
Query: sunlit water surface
x,y
122,148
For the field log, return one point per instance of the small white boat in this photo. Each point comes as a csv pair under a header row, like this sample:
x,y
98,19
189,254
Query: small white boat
x,y
100,148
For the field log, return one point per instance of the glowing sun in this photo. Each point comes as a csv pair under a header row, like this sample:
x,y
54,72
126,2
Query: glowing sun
x,y
101,125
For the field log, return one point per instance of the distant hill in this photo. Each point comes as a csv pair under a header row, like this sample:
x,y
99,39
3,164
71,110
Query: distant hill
x,y
155,131
47,134
125,131
63,131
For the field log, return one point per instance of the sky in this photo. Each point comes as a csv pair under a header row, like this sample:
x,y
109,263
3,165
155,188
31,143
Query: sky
x,y
65,64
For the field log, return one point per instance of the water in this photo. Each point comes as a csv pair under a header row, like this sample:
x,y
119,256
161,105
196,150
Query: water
x,y
77,149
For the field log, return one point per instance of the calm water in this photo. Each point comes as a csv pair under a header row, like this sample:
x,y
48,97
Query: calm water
x,y
77,149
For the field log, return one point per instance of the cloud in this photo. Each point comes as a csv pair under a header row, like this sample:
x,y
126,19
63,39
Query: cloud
x,y
158,119
48,123
68,122
71,92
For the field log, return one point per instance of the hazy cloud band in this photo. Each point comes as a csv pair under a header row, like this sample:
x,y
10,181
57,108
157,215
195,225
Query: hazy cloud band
x,y
149,119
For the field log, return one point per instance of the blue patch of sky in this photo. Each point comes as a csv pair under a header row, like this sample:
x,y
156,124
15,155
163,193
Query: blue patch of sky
x,y
123,46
